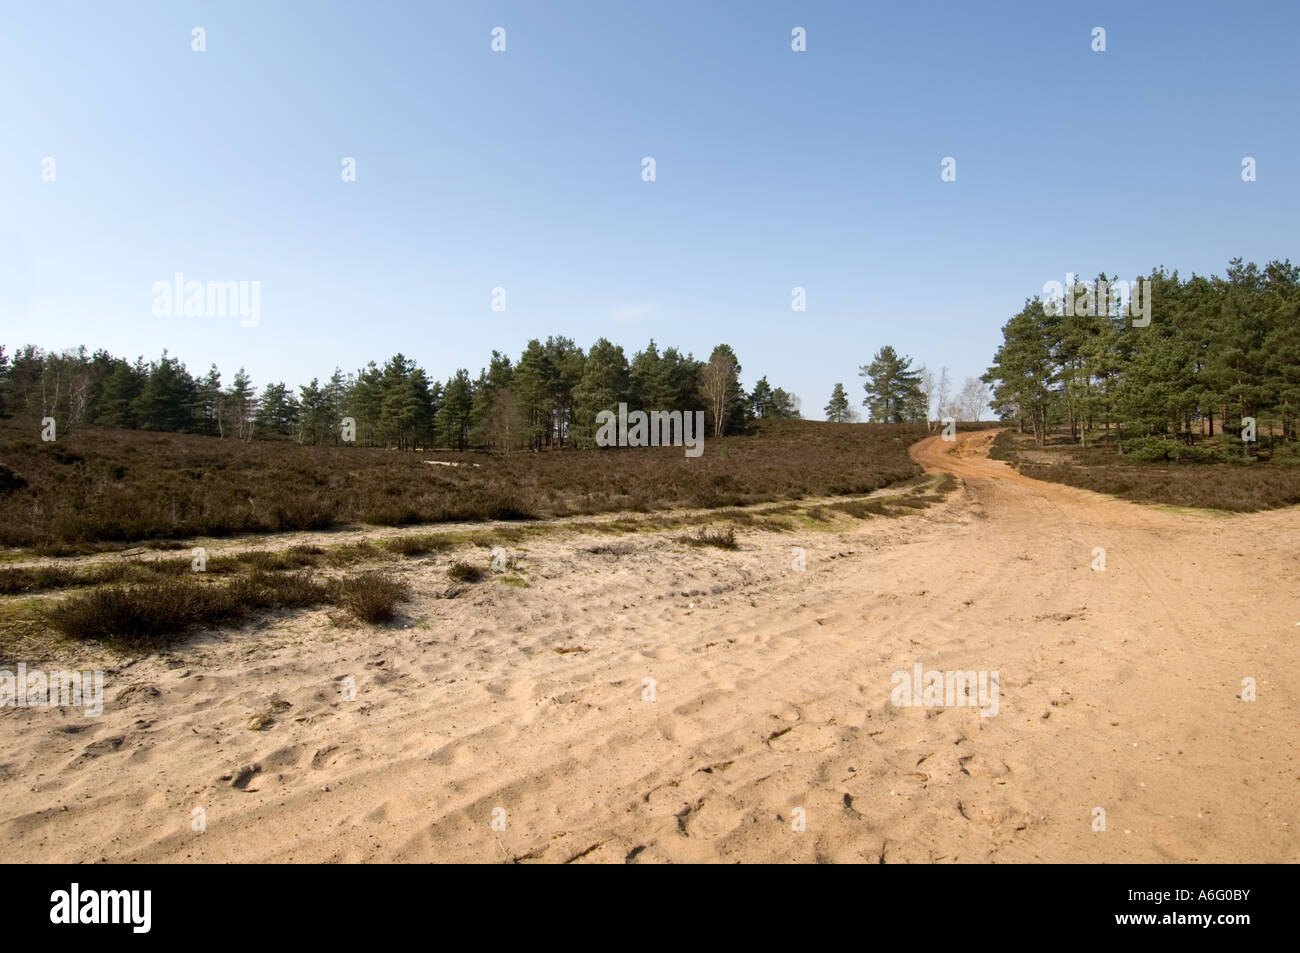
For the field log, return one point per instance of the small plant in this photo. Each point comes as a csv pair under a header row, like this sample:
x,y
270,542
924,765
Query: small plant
x,y
371,597
464,572
611,549
721,538
862,509
267,590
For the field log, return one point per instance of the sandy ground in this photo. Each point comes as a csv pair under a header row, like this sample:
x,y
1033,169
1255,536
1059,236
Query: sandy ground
x,y
1119,690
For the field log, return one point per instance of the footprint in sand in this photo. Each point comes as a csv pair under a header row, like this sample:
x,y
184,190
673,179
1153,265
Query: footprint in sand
x,y
453,752
516,689
680,730
103,746
323,757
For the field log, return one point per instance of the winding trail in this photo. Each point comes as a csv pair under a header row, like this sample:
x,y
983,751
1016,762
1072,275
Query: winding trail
x,y
770,703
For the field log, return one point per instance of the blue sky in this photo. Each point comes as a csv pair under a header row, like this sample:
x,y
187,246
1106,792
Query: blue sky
x,y
522,169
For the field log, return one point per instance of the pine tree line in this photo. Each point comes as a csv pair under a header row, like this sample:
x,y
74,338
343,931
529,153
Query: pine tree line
x,y
548,398
1208,351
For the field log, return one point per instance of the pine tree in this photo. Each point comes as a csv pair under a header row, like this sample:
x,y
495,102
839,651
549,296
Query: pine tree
x,y
893,388
491,380
166,400
785,405
117,395
1022,371
532,387
838,409
454,414
277,411
363,402
208,400
606,381
761,402
566,363
313,423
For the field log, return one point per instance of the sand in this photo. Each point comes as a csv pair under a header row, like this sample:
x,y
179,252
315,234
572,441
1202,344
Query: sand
x,y
770,710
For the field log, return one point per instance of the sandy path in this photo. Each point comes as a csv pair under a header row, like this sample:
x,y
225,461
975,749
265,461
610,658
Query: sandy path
x,y
1119,689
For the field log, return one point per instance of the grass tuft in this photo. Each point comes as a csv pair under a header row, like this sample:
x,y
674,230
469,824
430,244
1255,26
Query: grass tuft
x,y
371,597
464,572
155,614
720,538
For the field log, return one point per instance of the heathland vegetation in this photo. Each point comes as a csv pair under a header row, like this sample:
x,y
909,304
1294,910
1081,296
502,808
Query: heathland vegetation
x,y
1235,484
97,486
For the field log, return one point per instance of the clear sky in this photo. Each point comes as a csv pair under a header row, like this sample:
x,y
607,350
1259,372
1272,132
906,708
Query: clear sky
x,y
522,169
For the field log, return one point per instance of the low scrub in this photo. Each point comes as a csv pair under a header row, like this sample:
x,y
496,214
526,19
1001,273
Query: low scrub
x,y
155,614
97,488
862,509
464,572
719,538
371,597
152,615
1173,451
1152,472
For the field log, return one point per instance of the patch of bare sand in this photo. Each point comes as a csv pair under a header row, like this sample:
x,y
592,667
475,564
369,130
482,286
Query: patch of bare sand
x,y
1120,690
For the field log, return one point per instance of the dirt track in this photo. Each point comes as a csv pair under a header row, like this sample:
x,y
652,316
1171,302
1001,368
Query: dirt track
x,y
1119,689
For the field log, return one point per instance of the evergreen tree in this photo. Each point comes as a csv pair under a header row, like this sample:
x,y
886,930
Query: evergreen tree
x,y
606,381
241,405
649,387
761,402
681,377
838,409
533,391
166,399
566,363
208,403
785,405
893,388
277,411
491,380
363,402
313,420
454,414
1022,371
399,402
